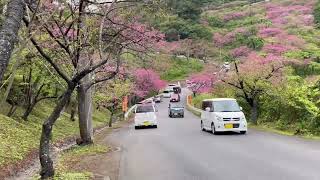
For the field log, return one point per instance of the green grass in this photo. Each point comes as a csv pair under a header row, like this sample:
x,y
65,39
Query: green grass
x,y
181,69
74,155
19,137
270,128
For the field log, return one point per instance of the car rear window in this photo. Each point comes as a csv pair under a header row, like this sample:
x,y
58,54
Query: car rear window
x,y
144,109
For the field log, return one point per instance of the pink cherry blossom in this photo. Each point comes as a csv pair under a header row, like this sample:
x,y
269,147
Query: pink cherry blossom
x,y
240,51
146,81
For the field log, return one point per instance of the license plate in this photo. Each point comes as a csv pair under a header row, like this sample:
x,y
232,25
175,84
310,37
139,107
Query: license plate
x,y
175,114
228,126
147,123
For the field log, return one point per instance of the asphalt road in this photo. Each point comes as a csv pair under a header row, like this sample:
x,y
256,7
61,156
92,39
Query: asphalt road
x,y
179,150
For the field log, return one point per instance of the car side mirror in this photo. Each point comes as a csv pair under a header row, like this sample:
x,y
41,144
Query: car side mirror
x,y
241,108
208,109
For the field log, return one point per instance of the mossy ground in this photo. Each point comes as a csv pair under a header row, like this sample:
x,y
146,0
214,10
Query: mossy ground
x,y
19,137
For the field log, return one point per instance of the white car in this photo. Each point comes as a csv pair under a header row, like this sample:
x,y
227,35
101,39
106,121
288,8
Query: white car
x,y
226,66
167,93
221,115
145,116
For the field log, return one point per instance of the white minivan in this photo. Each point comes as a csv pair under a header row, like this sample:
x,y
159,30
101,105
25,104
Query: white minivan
x,y
221,115
145,116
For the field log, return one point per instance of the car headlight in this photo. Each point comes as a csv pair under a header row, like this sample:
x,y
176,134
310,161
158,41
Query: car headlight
x,y
219,118
243,118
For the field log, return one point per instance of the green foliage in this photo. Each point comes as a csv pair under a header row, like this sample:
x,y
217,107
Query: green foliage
x,y
298,54
293,105
215,22
185,9
181,68
304,70
178,28
247,22
254,42
316,13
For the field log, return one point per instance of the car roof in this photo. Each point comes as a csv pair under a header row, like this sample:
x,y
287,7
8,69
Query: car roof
x,y
220,99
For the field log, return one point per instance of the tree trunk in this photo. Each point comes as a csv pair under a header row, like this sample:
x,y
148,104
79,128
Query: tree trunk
x,y
85,111
254,111
111,118
47,170
9,31
12,110
11,78
72,113
28,111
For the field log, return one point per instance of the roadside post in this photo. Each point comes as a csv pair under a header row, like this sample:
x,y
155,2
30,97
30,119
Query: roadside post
x,y
125,105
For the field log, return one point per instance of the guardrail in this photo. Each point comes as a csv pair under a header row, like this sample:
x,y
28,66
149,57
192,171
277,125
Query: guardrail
x,y
129,112
193,109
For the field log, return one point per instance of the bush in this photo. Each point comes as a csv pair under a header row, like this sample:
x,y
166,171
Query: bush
x,y
215,22
292,106
316,13
185,29
255,42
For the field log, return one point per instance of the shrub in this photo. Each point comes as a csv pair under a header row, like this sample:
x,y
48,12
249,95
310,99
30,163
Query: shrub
x,y
292,106
215,22
255,42
316,13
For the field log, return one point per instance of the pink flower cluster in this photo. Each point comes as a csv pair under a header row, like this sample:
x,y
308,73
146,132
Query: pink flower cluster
x,y
234,16
278,14
146,81
202,83
276,49
240,52
254,57
269,32
222,40
168,47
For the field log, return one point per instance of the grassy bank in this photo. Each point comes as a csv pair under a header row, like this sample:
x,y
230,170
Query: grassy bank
x,y
181,69
19,137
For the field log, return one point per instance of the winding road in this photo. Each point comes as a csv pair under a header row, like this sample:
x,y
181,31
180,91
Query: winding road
x,y
179,150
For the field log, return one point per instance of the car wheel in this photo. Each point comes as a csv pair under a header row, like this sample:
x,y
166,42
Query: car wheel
x,y
243,132
213,129
155,126
136,127
202,127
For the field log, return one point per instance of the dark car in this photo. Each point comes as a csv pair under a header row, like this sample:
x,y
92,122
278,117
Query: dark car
x,y
175,98
176,110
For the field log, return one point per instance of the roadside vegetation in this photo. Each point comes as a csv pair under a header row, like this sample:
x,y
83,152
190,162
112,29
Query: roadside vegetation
x,y
181,68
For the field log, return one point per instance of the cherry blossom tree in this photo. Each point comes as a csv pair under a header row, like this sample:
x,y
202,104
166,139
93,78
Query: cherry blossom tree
x,y
202,83
242,51
146,82
252,84
77,41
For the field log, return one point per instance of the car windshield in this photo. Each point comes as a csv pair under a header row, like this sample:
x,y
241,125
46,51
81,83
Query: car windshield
x,y
226,106
144,109
176,106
